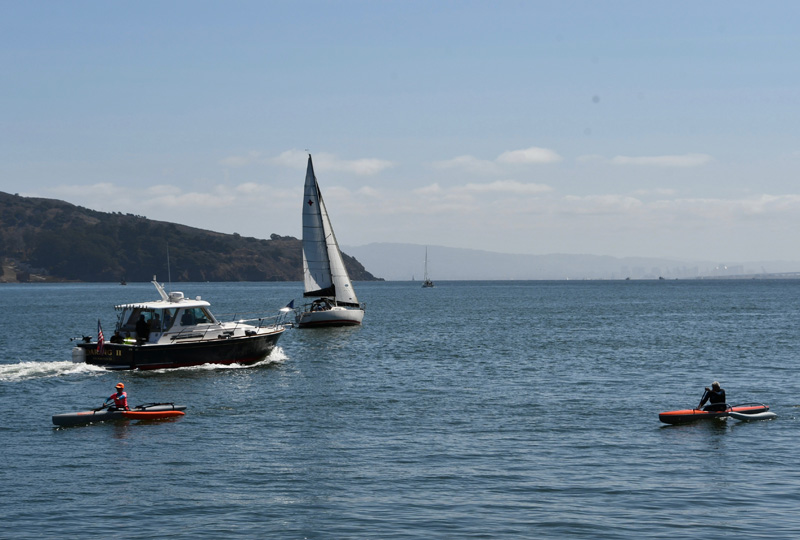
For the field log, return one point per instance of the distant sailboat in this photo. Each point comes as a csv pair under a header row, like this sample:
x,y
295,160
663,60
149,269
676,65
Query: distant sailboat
x,y
427,282
324,274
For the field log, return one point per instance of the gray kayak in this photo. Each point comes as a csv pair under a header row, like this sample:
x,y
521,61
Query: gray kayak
x,y
148,411
768,415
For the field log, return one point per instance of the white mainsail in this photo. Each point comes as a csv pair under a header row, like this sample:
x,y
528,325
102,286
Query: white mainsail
x,y
324,273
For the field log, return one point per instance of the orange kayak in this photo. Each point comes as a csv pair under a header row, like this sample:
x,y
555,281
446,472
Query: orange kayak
x,y
690,415
149,411
150,415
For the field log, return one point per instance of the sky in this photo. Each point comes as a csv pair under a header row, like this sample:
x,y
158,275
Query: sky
x,y
650,129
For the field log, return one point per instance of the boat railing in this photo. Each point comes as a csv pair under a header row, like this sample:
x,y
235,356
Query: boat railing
x,y
220,330
262,320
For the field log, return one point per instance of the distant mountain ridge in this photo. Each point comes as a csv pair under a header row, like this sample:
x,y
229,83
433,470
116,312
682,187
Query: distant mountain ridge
x,y
402,262
52,240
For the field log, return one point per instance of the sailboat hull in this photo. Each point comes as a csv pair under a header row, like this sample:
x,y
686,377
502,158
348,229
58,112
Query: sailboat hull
x,y
337,316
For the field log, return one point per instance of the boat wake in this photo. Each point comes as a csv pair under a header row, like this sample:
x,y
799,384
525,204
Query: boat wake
x,y
277,356
24,371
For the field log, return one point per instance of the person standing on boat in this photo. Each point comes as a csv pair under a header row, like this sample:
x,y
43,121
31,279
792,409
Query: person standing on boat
x,y
715,397
120,399
142,329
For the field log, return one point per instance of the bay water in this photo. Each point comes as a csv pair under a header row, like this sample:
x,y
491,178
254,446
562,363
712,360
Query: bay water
x,y
471,410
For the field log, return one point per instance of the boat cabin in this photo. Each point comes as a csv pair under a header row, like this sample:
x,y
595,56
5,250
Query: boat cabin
x,y
162,317
321,304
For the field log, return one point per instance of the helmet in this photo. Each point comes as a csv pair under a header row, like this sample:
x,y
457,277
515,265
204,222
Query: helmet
x,y
120,385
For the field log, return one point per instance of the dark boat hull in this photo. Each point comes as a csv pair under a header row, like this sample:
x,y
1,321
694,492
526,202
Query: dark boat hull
x,y
238,350
143,412
691,415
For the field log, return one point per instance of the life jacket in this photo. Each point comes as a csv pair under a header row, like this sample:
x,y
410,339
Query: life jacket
x,y
120,400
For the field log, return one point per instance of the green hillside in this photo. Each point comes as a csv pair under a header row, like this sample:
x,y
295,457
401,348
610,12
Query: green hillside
x,y
51,240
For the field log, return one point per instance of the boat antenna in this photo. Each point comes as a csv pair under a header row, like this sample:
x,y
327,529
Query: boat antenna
x,y
169,273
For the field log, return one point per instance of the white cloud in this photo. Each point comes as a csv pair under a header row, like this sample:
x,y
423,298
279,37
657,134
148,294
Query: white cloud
x,y
241,161
731,210
508,186
660,192
361,167
710,210
685,160
100,189
433,189
601,204
485,190
529,155
297,159
293,159
217,199
251,188
368,191
162,190
469,164
472,164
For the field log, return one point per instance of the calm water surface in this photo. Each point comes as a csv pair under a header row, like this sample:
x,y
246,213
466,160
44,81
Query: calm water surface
x,y
471,410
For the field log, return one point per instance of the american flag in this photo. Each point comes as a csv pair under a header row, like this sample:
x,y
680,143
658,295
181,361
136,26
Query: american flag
x,y
100,341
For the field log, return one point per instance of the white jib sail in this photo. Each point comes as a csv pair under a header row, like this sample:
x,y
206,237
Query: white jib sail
x,y
324,273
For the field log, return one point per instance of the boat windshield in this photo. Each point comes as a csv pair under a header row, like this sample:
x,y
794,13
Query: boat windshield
x,y
162,320
197,315
159,320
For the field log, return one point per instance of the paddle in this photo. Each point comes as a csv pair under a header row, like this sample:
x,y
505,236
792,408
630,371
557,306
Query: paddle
x,y
103,406
705,395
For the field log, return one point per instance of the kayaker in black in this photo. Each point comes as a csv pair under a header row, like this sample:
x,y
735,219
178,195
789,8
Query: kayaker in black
x,y
715,397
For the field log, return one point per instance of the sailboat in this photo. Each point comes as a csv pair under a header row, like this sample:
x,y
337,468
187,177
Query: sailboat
x,y
427,282
324,274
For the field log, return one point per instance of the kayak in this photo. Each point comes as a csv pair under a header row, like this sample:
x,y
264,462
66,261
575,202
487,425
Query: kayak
x,y
150,415
767,415
148,411
746,411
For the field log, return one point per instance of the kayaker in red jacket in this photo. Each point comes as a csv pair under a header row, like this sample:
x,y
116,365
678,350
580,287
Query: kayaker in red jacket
x,y
716,398
120,399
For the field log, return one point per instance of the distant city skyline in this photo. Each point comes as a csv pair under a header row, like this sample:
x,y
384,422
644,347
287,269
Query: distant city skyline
x,y
624,129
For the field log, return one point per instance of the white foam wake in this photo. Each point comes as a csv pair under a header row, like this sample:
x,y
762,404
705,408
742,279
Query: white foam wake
x,y
23,371
277,356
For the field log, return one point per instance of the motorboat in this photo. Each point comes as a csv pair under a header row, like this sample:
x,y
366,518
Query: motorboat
x,y
175,332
